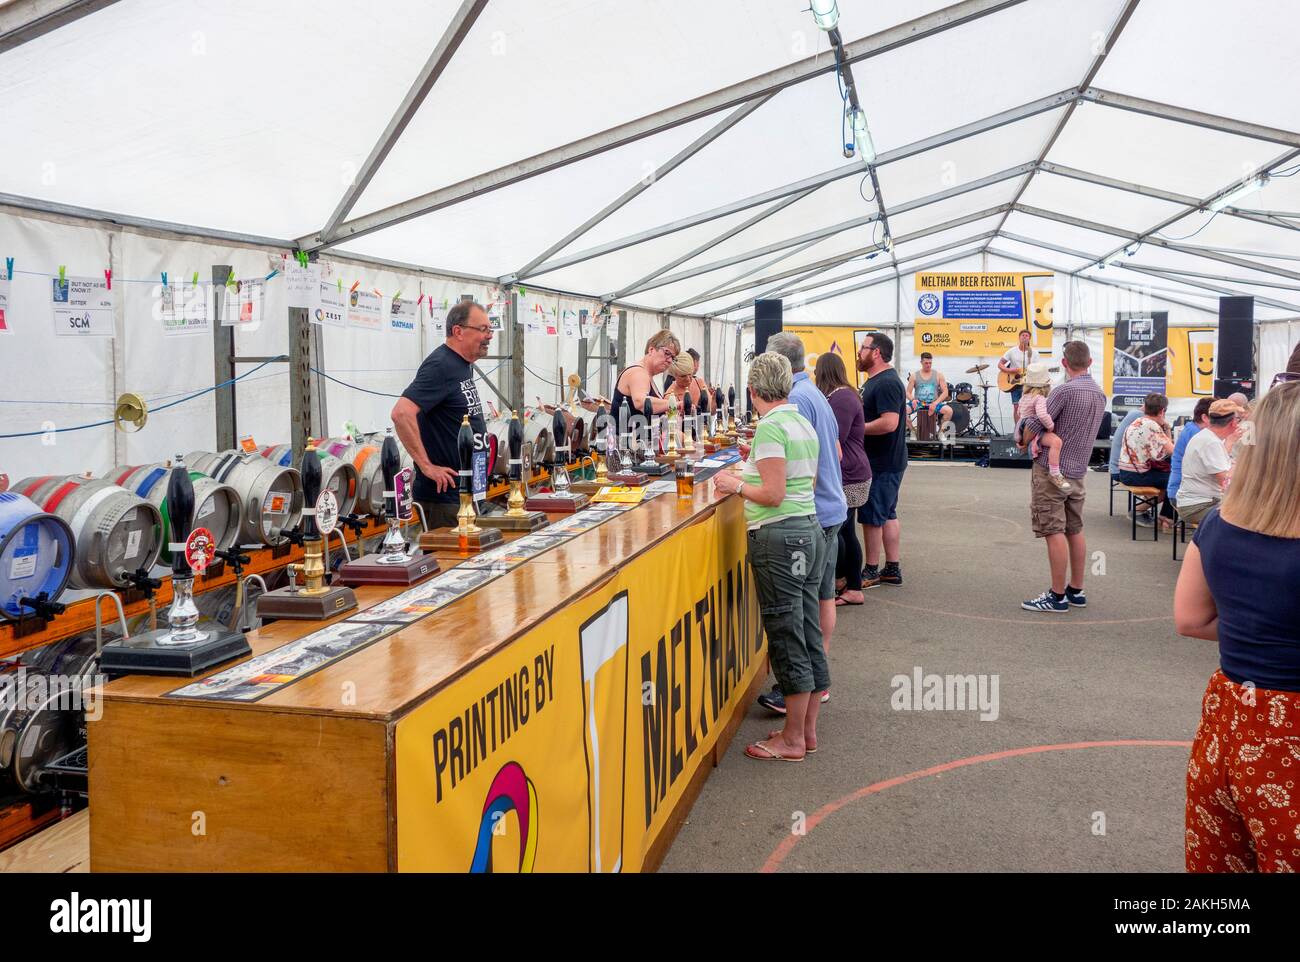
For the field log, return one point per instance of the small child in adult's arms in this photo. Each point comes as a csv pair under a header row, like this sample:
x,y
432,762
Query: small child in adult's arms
x,y
1038,384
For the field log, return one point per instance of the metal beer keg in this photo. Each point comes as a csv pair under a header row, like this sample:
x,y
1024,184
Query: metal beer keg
x,y
116,532
220,509
271,495
337,476
36,554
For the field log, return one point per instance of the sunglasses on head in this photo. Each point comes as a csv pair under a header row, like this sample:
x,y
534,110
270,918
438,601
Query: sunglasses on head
x,y
1286,377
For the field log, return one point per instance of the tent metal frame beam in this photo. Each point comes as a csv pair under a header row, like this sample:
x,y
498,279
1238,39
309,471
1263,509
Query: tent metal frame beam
x,y
1183,200
792,291
24,20
1155,242
1196,118
875,45
459,27
833,229
1125,265
642,185
807,184
1097,280
718,239
1150,234
1120,23
843,256
1232,292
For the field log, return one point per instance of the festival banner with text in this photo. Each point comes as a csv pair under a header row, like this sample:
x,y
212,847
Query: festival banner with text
x,y
568,750
844,341
982,314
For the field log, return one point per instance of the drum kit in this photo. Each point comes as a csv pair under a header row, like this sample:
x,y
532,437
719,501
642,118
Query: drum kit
x,y
964,400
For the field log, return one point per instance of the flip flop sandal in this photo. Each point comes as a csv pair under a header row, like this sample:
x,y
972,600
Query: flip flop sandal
x,y
807,751
764,754
841,603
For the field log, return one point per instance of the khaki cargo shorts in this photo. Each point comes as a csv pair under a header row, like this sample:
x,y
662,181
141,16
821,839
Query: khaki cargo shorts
x,y
1050,510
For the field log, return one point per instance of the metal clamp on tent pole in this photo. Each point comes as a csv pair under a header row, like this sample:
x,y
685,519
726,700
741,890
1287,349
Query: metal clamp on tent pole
x,y
99,619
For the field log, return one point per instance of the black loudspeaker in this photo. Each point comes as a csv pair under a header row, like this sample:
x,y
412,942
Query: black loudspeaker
x,y
1223,386
767,321
1003,453
1236,350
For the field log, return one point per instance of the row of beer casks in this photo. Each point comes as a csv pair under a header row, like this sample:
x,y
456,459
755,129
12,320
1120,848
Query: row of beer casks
x,y
539,443
58,532
350,468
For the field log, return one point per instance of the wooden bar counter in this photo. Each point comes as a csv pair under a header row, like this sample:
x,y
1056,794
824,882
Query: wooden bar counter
x,y
560,717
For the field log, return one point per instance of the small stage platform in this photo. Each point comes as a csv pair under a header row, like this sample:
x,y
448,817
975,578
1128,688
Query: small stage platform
x,y
977,449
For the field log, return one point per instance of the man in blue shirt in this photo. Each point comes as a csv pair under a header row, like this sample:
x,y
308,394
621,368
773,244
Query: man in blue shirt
x,y
1189,431
828,493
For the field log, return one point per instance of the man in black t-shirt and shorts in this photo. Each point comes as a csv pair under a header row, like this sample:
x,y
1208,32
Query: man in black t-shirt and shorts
x,y
427,417
884,413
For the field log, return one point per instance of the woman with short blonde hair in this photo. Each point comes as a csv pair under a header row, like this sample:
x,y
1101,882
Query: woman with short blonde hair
x,y
1238,587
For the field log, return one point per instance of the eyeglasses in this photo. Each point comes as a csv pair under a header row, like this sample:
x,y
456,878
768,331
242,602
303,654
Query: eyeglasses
x,y
668,354
1285,377
474,327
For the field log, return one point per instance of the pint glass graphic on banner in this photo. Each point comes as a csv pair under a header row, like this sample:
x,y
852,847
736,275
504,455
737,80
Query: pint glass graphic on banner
x,y
604,712
1040,293
1201,347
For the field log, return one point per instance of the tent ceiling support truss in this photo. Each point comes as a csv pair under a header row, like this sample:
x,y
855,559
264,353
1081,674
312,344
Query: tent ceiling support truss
x,y
452,38
708,137
768,83
24,20
1120,23
993,122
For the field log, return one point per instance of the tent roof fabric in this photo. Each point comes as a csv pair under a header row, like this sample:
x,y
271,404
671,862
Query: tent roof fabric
x,y
1089,136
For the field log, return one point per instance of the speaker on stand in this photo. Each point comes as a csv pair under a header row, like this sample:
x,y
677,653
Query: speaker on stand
x,y
1235,355
767,321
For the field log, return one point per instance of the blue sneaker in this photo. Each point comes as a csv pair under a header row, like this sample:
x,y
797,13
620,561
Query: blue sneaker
x,y
1047,601
773,700
1076,597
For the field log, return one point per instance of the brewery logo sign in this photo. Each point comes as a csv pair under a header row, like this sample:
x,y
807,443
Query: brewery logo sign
x,y
327,512
200,549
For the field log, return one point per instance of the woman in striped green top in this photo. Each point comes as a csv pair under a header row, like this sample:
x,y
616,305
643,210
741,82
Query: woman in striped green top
x,y
785,540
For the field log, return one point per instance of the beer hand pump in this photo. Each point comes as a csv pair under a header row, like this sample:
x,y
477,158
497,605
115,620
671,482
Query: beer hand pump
x,y
394,563
563,499
516,517
315,600
468,537
622,458
600,428
182,648
649,464
688,424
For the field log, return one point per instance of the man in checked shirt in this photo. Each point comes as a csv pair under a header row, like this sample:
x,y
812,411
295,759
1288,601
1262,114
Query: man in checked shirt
x,y
1077,407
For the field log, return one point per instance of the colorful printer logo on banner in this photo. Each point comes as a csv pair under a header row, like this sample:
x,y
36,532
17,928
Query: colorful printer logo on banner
x,y
981,315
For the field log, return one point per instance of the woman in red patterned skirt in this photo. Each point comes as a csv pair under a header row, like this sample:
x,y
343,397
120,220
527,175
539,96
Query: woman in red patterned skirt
x,y
1238,587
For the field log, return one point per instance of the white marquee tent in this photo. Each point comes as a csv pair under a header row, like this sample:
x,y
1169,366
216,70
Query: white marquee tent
x,y
674,158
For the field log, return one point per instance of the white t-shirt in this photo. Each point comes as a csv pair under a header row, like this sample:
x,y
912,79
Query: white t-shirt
x,y
1017,358
1204,457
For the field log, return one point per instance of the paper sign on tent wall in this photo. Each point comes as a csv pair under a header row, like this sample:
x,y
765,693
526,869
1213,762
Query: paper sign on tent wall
x,y
365,310
300,285
438,320
242,304
184,308
570,324
330,305
4,307
534,321
403,316
82,307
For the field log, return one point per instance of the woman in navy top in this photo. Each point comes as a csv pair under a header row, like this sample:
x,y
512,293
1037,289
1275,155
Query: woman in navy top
x,y
1240,586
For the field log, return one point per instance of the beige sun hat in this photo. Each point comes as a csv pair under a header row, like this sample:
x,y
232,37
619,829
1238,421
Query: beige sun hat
x,y
1038,375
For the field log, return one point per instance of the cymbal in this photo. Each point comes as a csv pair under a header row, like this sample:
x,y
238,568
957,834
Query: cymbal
x,y
976,369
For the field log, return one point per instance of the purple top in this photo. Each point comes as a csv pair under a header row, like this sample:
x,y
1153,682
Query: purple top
x,y
854,466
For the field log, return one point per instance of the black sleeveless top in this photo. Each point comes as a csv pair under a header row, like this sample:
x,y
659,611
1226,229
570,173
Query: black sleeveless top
x,y
622,402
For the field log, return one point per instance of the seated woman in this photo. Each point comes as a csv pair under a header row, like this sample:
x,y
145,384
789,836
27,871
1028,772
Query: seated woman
x,y
785,541
1146,449
1238,588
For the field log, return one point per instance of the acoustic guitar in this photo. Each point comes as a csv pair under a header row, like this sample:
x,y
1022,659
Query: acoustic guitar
x,y
1009,380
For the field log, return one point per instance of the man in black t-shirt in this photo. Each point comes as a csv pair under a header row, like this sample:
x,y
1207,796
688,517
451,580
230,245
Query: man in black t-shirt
x,y
428,415
884,406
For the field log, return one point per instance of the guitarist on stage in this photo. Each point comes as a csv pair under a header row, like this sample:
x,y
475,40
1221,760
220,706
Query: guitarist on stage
x,y
1016,362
